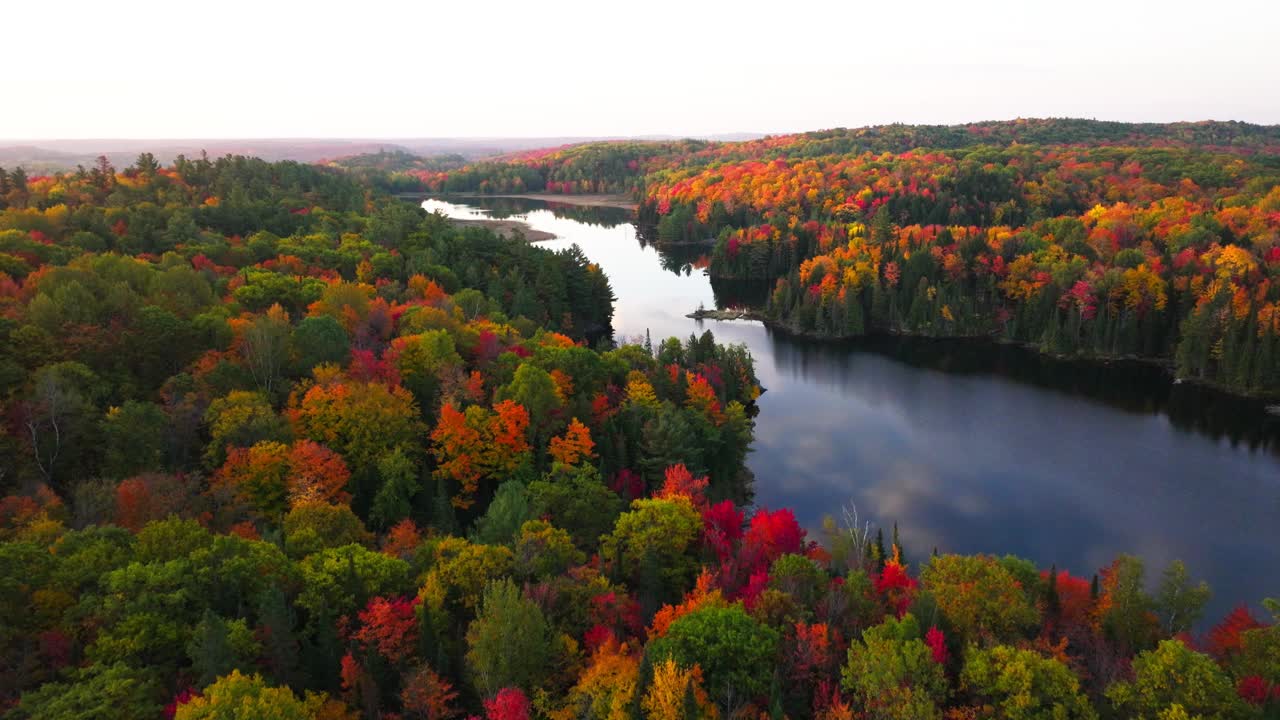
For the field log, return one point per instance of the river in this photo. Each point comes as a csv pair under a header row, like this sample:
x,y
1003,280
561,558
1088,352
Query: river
x,y
971,447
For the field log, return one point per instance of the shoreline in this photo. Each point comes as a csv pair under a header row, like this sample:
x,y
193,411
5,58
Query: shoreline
x,y
1270,402
591,200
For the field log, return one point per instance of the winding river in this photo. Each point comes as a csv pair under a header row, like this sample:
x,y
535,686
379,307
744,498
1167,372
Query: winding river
x,y
967,446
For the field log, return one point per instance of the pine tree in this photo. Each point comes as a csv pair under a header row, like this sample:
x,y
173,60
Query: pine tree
x,y
643,680
280,646
1052,603
210,649
897,546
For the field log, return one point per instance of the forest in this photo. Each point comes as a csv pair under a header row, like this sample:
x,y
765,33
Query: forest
x,y
1078,238
276,444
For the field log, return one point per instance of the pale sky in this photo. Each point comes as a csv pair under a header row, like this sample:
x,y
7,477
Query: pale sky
x,y
471,68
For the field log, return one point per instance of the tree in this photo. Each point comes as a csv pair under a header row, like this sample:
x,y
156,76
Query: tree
x,y
314,526
609,683
507,512
154,496
421,360
659,534
394,500
510,643
318,341
892,673
389,627
249,697
257,476
543,550
241,419
217,647
979,597
363,421
574,446
133,439
93,692
263,345
577,500
736,653
1172,674
56,416
339,580
462,571
1023,685
478,445
533,389
508,704
1179,603
427,696
676,693
1125,607
316,474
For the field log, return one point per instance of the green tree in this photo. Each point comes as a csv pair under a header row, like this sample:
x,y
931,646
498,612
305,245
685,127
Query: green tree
x,y
316,341
94,692
249,697
892,674
1173,674
400,485
661,534
133,439
737,654
219,646
577,500
543,550
315,526
533,388
341,580
1178,602
510,643
1024,685
508,511
1128,618
981,600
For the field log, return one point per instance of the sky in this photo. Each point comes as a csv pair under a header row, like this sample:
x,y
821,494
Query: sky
x,y
475,68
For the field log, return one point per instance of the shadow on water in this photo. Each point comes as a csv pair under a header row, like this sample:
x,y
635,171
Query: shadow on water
x,y
1131,386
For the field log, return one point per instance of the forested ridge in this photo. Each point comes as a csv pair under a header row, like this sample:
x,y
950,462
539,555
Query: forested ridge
x,y
1080,238
277,445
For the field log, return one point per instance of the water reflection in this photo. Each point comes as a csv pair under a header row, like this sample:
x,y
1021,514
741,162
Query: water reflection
x,y
975,447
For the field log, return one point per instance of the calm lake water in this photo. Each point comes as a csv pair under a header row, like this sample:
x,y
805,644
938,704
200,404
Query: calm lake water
x,y
971,447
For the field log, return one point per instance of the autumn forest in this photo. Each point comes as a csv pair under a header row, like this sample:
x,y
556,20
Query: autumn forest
x,y
277,443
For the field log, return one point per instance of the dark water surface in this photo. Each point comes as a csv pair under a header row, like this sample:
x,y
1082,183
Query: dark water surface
x,y
970,446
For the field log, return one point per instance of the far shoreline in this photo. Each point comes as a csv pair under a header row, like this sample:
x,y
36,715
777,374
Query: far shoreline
x,y
586,200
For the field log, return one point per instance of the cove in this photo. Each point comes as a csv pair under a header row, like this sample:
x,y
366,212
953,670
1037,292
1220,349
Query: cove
x,y
968,446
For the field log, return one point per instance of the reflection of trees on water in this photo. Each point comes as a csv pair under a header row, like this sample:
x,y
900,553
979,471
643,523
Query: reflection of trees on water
x,y
502,208
1133,387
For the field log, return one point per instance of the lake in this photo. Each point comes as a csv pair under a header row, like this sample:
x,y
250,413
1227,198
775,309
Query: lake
x,y
970,446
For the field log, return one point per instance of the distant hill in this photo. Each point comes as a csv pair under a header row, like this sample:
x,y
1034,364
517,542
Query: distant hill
x,y
52,155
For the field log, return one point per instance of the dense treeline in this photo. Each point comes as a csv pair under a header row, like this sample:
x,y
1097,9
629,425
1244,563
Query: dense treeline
x,y
1158,253
1073,236
629,166
397,171
611,167
356,462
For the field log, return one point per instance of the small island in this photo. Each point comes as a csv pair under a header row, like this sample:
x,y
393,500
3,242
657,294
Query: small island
x,y
703,313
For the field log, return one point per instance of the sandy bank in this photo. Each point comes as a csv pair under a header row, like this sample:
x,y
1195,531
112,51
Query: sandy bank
x,y
507,228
